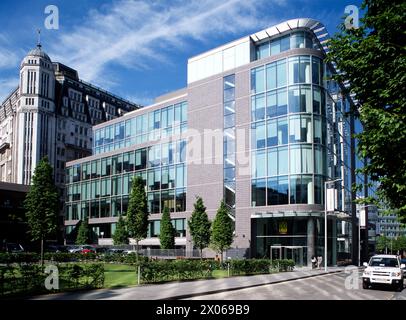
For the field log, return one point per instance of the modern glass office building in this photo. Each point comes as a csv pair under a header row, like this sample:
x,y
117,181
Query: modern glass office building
x,y
260,125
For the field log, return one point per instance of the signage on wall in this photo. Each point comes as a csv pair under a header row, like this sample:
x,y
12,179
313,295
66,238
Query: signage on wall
x,y
283,227
362,219
332,199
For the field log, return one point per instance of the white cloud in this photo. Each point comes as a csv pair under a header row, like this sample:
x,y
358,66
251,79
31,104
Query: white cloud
x,y
8,57
143,99
135,34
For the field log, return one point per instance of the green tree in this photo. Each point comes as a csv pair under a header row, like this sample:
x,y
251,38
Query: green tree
x,y
41,204
399,244
167,231
382,243
222,230
83,233
199,226
137,213
121,235
372,58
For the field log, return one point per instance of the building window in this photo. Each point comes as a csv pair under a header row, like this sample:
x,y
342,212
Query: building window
x,y
277,132
300,99
258,192
258,80
259,163
257,107
258,135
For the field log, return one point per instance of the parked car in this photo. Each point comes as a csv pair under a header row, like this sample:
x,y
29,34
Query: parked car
x,y
403,261
74,249
101,250
133,252
115,250
87,249
56,248
14,248
383,269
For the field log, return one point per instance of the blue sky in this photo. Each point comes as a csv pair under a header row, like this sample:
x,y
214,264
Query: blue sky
x,y
139,49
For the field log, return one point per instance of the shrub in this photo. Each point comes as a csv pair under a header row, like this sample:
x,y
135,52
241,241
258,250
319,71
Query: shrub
x,y
29,278
28,257
167,270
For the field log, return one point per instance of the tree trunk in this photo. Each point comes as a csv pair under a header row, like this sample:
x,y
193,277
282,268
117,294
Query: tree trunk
x,y
136,252
42,252
201,254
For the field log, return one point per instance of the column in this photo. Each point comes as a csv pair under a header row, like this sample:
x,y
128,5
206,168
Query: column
x,y
334,241
310,241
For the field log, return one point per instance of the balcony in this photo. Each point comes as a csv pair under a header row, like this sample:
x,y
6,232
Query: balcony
x,y
4,144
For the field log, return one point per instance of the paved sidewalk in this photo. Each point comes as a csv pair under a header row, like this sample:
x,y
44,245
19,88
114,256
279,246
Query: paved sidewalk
x,y
187,289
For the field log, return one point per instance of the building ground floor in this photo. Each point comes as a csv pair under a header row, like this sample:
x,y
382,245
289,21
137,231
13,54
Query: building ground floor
x,y
296,236
301,237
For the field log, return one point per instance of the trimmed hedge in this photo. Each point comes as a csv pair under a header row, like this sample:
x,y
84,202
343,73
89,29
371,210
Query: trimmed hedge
x,y
130,258
258,266
28,257
169,270
9,258
28,279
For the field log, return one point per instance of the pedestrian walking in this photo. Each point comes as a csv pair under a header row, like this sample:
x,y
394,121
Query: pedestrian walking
x,y
319,261
314,261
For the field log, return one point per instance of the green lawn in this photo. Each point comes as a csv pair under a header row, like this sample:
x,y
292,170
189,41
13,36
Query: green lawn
x,y
116,275
219,273
119,275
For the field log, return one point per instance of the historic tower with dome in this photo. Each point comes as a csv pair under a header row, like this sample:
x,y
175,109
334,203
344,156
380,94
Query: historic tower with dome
x,y
51,113
35,112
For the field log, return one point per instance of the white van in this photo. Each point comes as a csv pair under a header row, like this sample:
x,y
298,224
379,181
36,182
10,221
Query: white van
x,y
383,269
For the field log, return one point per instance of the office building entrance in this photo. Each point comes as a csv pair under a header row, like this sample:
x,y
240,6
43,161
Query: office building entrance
x,y
296,253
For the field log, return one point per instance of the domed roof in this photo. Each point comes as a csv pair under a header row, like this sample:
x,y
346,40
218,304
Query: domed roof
x,y
38,52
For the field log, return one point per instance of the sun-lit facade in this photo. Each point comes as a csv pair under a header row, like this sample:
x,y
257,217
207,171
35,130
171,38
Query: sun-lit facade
x,y
260,125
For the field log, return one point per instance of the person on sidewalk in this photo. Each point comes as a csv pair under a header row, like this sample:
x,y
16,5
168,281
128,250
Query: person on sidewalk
x,y
319,261
314,261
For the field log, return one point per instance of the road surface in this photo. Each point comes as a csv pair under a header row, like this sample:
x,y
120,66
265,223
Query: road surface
x,y
330,287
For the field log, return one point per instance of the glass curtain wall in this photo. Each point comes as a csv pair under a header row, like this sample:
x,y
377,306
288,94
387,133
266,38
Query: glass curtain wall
x,y
165,122
288,132
100,188
296,39
229,142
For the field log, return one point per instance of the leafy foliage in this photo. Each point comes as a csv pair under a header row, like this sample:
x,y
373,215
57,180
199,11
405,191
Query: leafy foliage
x,y
168,270
121,235
83,233
400,244
222,230
41,203
24,279
382,242
137,213
373,59
167,232
199,226
257,266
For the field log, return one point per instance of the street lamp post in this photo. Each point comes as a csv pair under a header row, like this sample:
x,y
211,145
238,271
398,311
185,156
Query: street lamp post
x,y
359,233
325,219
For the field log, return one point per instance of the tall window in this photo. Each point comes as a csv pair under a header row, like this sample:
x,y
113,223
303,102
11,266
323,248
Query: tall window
x,y
257,111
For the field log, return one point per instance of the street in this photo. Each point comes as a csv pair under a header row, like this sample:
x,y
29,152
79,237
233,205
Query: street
x,y
330,287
